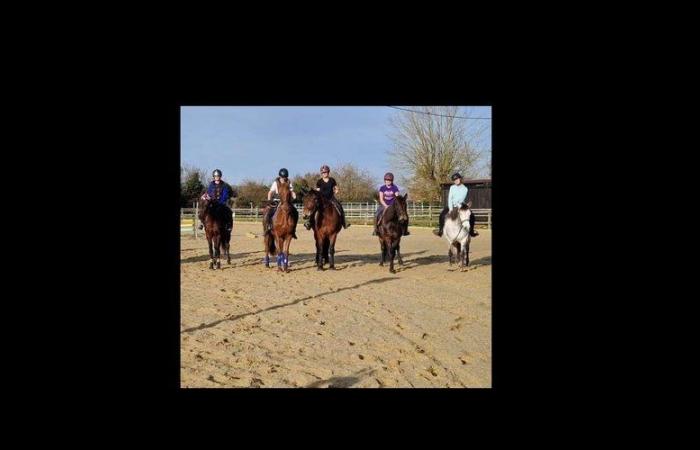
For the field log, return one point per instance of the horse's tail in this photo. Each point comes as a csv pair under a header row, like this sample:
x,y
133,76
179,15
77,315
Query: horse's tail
x,y
270,241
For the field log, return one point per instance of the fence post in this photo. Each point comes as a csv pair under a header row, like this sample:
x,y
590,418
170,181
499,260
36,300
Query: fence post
x,y
430,215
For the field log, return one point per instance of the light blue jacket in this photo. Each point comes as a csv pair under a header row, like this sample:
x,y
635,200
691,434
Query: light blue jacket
x,y
458,194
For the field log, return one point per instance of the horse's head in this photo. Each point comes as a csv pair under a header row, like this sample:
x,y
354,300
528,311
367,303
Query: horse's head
x,y
310,202
464,211
204,201
284,192
401,207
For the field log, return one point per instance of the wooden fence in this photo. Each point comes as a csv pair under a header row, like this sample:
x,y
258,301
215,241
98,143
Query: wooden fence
x,y
420,214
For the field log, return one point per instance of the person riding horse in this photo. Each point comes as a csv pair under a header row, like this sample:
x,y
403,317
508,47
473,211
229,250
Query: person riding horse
x,y
274,191
328,187
387,195
457,196
220,192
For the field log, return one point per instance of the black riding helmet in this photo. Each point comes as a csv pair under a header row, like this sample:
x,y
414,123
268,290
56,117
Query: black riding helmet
x,y
284,173
216,173
456,175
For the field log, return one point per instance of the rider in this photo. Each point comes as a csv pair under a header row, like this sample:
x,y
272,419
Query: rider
x,y
458,195
221,192
284,176
328,187
387,195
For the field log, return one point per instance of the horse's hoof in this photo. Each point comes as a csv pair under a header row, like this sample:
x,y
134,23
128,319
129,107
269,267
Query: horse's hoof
x,y
392,270
319,268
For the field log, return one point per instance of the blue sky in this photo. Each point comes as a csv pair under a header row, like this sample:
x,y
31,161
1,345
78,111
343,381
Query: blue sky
x,y
255,142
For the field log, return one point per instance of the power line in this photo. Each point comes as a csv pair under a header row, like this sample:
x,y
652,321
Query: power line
x,y
441,115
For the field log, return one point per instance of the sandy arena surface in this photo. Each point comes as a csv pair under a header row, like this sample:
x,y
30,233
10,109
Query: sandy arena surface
x,y
428,325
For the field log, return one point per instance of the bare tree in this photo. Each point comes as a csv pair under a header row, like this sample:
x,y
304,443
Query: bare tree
x,y
187,170
354,184
431,144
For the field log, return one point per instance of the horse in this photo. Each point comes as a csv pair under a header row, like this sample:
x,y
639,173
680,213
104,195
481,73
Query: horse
x,y
284,222
390,229
215,217
327,225
456,232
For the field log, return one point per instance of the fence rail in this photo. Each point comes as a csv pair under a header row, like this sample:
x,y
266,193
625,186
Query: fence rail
x,y
419,214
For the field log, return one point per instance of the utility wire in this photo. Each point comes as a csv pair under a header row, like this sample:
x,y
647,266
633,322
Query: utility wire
x,y
441,115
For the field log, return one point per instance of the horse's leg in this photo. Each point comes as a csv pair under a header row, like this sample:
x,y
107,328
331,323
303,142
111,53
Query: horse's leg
x,y
398,253
287,243
326,245
392,254
449,253
319,247
227,244
280,251
216,242
332,249
466,252
267,250
211,253
383,245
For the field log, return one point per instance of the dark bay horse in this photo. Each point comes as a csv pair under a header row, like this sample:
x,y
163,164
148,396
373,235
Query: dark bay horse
x,y
215,217
390,230
327,225
284,222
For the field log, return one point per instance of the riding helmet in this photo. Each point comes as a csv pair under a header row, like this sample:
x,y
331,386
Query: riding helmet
x,y
389,176
284,173
325,168
216,173
456,175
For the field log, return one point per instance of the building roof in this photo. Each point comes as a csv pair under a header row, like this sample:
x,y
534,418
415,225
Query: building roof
x,y
470,181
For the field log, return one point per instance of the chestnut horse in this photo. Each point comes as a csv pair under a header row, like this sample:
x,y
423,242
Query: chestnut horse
x,y
327,225
284,221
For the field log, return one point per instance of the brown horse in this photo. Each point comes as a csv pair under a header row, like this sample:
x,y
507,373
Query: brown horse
x,y
215,217
284,221
390,230
327,225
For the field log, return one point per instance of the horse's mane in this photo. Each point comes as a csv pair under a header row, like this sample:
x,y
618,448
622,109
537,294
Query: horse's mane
x,y
215,209
454,213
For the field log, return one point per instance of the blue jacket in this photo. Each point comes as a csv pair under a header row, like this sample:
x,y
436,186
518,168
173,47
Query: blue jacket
x,y
220,192
458,194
